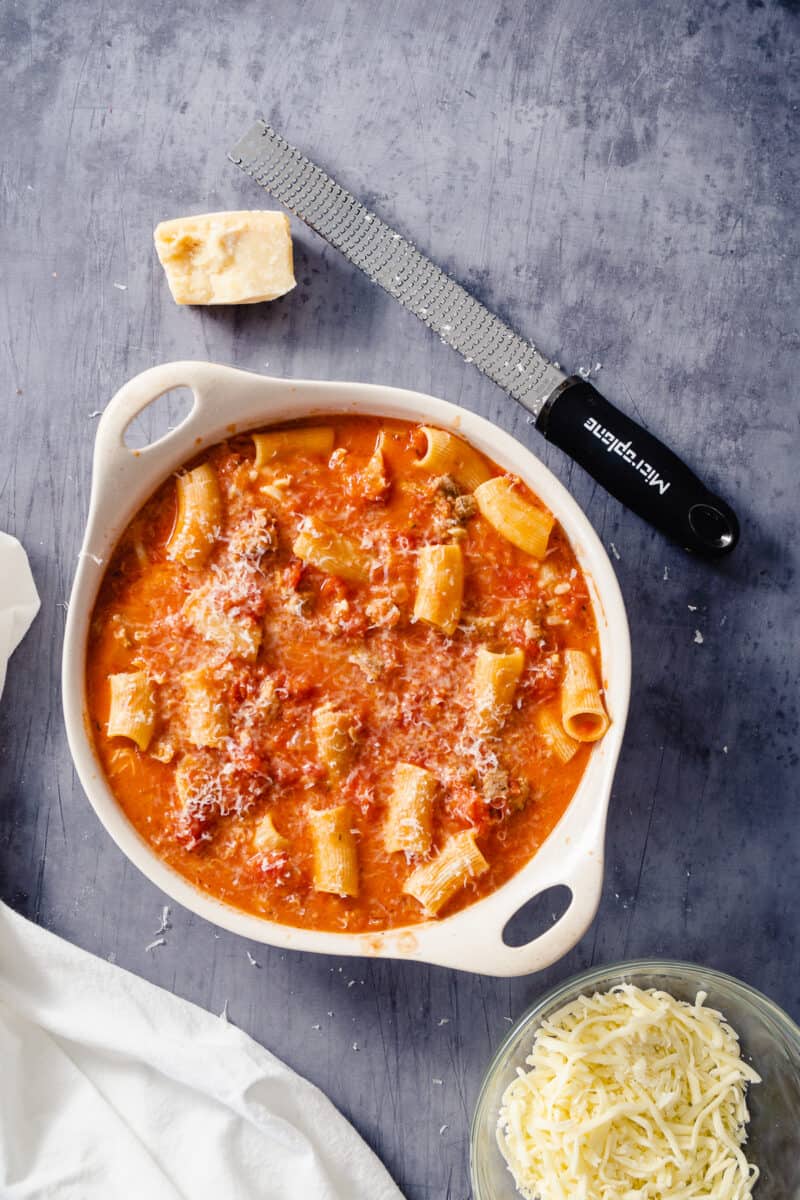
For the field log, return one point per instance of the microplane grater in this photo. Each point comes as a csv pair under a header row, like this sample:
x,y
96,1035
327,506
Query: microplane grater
x,y
391,261
627,460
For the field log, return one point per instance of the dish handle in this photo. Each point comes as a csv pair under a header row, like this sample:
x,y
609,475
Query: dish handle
x,y
117,464
584,879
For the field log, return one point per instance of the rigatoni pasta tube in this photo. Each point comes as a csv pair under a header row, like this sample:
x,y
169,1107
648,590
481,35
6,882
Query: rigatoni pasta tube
x,y
133,707
198,518
409,821
332,552
266,837
207,719
315,442
448,455
440,587
548,725
332,729
434,883
583,713
494,682
504,505
335,854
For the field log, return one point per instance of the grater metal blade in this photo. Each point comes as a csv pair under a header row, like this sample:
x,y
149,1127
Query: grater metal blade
x,y
394,263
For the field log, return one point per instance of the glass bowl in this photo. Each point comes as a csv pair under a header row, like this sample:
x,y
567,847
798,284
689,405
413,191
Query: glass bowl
x,y
770,1041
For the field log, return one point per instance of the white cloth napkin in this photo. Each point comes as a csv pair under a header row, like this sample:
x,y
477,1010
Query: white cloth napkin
x,y
19,600
111,1087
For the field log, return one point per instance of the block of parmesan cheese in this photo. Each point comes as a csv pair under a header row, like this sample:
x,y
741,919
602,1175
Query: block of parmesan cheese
x,y
226,257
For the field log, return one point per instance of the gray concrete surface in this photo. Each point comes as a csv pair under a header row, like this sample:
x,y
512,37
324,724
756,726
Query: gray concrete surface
x,y
620,180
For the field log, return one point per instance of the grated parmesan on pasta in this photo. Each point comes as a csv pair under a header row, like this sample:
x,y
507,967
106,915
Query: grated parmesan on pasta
x,y
303,605
632,1095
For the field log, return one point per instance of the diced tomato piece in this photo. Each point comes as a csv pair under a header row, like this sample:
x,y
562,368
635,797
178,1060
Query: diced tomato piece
x,y
541,678
333,588
300,686
251,761
274,862
240,687
468,806
510,580
284,773
514,634
293,573
190,828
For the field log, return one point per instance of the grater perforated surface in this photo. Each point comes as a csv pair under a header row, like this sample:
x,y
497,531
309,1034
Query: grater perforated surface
x,y
393,262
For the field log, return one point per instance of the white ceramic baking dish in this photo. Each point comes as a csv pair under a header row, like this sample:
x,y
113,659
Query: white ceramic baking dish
x,y
227,400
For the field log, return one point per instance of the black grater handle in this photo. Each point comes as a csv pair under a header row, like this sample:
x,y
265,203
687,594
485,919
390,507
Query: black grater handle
x,y
638,469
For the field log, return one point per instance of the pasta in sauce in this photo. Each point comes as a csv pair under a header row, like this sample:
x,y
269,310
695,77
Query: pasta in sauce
x,y
331,686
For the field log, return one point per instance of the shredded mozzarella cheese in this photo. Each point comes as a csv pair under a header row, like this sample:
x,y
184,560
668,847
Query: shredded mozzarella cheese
x,y
633,1095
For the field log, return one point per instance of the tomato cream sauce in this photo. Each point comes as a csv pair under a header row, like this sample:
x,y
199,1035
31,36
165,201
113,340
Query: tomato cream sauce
x,y
406,685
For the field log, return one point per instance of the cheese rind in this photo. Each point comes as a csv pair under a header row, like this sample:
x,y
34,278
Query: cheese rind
x,y
226,257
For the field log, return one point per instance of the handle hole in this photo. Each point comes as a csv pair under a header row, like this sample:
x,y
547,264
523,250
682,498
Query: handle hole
x,y
537,915
163,414
712,526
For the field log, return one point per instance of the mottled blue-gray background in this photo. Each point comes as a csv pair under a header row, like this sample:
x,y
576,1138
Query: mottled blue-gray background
x,y
620,180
